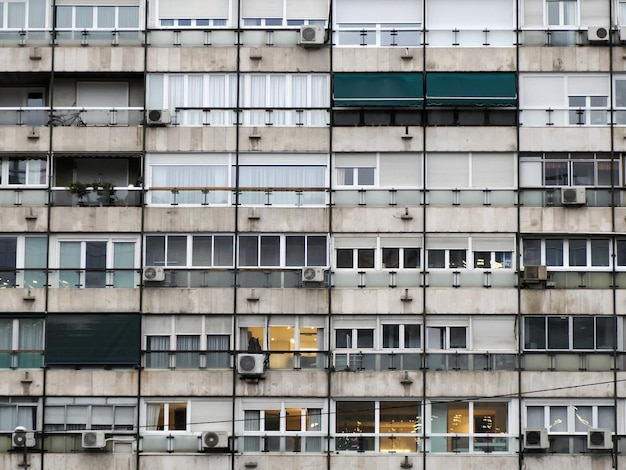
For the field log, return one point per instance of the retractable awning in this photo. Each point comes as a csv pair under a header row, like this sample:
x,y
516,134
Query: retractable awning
x,y
378,89
471,89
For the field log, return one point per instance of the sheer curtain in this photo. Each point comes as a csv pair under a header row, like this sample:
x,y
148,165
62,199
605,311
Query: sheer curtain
x,y
299,100
123,264
84,17
297,176
70,260
216,98
30,339
186,176
195,85
153,412
191,359
319,99
6,344
277,98
176,95
37,14
16,15
154,358
257,100
217,360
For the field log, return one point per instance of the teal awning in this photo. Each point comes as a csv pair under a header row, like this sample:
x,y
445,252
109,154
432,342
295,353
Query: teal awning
x,y
92,339
378,89
471,89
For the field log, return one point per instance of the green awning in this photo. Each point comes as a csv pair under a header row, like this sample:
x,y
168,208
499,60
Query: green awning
x,y
92,339
378,89
471,89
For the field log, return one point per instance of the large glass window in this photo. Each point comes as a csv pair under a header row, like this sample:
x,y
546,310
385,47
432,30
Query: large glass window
x,y
21,343
180,251
18,411
170,416
76,414
378,426
569,333
561,12
469,426
282,250
568,252
96,263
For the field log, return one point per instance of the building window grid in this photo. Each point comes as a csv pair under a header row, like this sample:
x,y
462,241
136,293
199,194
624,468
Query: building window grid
x,y
77,414
570,333
563,254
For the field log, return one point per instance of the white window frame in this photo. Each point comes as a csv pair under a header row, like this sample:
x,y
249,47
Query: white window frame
x,y
90,403
146,428
20,402
561,24
566,266
5,163
570,335
282,248
94,19
189,251
446,330
571,413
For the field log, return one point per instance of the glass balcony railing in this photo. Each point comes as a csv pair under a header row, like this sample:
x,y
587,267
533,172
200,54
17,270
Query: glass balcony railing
x,y
22,359
433,197
119,196
594,361
66,117
499,278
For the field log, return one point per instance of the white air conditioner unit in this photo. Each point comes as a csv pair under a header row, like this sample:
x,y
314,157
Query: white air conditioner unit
x,y
154,274
251,365
93,440
214,440
22,438
312,35
158,117
598,34
312,274
536,438
535,273
599,439
573,196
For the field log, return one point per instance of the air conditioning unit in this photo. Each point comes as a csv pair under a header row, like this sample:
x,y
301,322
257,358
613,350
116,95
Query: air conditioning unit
x,y
312,274
599,439
312,36
573,196
536,438
251,365
158,117
535,273
214,440
93,440
22,438
154,274
598,34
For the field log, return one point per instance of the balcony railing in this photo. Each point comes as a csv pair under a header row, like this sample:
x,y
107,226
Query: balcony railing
x,y
22,359
365,196
308,116
370,278
120,196
99,37
71,116
551,197
598,361
570,117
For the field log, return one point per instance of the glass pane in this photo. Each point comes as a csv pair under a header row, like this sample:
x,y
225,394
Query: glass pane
x,y
128,17
270,251
412,336
365,338
532,251
554,252
583,173
316,251
490,417
155,251
600,252
343,338
177,251
391,258
84,17
248,251
436,258
106,17
35,256
558,419
391,336
95,264
556,174
457,258
70,260
6,334
583,418
293,419
294,251
436,337
399,417
482,259
558,334
577,252
366,176
355,417
534,333
223,251
365,258
345,257
202,251
583,332
252,420
458,337
411,257
123,264
177,417
605,332
272,420
535,417
31,334
8,256
606,417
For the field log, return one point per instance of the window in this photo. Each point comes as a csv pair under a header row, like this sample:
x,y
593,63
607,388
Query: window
x,y
27,171
21,343
23,261
453,259
568,252
569,422
561,12
292,342
469,426
362,258
402,336
378,426
17,15
107,18
97,263
470,170
181,251
282,250
354,338
210,99
401,258
169,416
18,411
193,22
569,333
493,259
80,413
356,176
588,110
283,427
193,342
173,179
446,337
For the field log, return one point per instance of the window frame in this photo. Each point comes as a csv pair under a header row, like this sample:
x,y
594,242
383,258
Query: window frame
x,y
189,250
16,348
32,403
88,404
570,333
165,404
282,250
567,253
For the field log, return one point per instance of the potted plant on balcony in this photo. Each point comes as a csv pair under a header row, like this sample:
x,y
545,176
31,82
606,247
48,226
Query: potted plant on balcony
x,y
106,192
80,189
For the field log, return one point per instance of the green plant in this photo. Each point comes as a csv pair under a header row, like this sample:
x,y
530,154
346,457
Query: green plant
x,y
78,188
103,186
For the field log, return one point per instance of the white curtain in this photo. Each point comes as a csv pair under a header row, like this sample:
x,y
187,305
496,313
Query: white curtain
x,y
31,334
191,359
216,98
84,17
319,99
37,14
128,17
16,15
177,92
257,99
106,17
153,411
217,360
6,334
277,98
64,17
299,99
194,99
154,359
281,177
198,176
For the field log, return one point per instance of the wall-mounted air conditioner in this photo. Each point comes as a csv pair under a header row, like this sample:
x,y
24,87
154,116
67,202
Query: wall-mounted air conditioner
x,y
158,117
599,439
535,273
22,438
154,274
573,196
312,274
214,440
250,365
536,438
312,35
598,34
93,440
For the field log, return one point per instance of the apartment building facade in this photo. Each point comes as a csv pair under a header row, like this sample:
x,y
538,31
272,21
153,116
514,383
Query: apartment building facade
x,y
330,234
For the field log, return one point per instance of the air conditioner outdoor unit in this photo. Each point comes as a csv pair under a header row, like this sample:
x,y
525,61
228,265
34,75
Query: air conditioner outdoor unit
x,y
154,274
573,196
251,365
214,440
536,438
93,440
312,274
535,273
598,34
599,439
312,36
158,117
22,438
